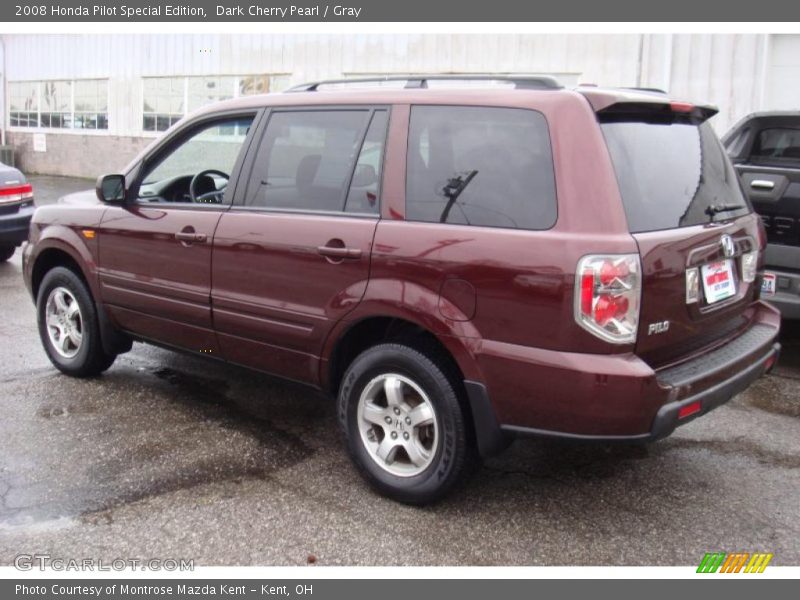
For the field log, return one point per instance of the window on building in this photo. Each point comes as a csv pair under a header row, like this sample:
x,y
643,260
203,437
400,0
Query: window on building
x,y
56,104
164,102
91,104
206,90
169,99
76,104
23,104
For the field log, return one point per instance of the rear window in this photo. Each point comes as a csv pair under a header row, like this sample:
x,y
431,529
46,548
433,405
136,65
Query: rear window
x,y
491,167
777,144
672,175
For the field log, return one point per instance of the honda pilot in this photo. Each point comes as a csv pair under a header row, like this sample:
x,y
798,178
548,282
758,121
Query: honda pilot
x,y
456,264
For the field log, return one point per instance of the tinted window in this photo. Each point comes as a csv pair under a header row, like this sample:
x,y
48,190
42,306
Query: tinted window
x,y
365,186
306,159
672,175
480,166
777,143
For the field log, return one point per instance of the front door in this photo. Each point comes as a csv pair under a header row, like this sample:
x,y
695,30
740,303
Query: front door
x,y
292,256
155,250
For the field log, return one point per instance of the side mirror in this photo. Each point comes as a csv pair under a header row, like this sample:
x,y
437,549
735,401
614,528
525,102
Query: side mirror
x,y
110,188
364,176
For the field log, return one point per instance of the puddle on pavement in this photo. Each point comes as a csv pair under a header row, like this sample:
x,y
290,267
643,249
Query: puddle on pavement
x,y
150,440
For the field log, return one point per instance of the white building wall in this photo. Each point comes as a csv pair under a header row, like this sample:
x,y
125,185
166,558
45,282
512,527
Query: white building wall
x,y
125,59
738,73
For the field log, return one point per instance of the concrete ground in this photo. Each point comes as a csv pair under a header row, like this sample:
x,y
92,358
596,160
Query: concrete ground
x,y
169,456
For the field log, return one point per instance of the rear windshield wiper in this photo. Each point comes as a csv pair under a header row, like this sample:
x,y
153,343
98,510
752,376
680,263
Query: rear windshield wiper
x,y
453,190
714,210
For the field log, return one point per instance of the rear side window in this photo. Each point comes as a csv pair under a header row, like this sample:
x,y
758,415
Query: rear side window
x,y
777,144
672,175
482,166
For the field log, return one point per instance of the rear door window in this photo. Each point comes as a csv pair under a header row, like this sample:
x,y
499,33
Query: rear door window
x,y
672,175
482,166
306,160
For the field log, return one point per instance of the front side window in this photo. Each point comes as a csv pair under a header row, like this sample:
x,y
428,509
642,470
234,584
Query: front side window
x,y
198,169
490,167
307,158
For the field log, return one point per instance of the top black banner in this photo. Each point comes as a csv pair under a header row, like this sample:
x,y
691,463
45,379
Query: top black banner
x,y
401,11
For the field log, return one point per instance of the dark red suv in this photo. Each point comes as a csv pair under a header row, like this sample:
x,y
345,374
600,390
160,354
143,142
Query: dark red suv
x,y
458,264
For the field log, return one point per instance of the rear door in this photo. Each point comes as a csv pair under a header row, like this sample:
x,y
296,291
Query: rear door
x,y
292,257
696,232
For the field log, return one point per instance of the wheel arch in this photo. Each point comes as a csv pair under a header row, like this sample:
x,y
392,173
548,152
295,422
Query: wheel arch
x,y
352,337
53,252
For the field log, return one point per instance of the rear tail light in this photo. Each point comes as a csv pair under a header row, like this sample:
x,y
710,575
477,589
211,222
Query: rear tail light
x,y
607,291
16,193
749,266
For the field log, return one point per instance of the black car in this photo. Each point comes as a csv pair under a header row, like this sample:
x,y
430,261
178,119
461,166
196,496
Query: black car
x,y
16,210
765,149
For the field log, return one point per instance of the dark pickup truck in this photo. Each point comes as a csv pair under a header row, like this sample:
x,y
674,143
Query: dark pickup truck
x,y
765,150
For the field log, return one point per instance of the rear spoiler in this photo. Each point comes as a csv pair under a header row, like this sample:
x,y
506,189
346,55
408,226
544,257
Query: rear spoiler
x,y
645,107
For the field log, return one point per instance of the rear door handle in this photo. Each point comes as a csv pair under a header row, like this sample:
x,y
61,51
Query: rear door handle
x,y
340,253
762,184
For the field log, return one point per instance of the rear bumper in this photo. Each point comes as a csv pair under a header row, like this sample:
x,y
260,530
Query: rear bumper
x,y
14,226
668,417
618,397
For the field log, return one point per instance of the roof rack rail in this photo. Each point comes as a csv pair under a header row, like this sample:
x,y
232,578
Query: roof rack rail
x,y
525,82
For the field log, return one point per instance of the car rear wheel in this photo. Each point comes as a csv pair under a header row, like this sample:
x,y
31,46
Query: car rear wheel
x,y
6,252
404,425
68,325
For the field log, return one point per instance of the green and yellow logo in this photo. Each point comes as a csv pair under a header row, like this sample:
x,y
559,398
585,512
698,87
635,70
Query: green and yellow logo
x,y
744,562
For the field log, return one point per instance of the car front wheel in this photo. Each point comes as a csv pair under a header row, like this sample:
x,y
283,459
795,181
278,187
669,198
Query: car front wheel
x,y
404,424
68,325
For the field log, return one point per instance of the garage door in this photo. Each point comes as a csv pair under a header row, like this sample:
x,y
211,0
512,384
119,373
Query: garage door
x,y
783,82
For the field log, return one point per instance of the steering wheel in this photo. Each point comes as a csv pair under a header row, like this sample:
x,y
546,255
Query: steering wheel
x,y
214,196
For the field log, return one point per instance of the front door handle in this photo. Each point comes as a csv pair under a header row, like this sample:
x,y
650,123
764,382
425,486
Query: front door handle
x,y
339,252
190,237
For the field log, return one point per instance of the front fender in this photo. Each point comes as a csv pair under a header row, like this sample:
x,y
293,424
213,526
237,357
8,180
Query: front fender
x,y
66,240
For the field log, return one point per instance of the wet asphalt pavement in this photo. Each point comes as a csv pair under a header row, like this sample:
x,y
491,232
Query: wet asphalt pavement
x,y
169,456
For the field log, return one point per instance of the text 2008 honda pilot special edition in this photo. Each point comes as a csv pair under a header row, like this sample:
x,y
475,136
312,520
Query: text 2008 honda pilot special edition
x,y
457,264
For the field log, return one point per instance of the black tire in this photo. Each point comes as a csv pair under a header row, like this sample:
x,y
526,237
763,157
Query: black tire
x,y
453,454
90,359
6,252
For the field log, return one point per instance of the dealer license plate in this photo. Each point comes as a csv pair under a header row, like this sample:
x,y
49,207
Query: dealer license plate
x,y
718,280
